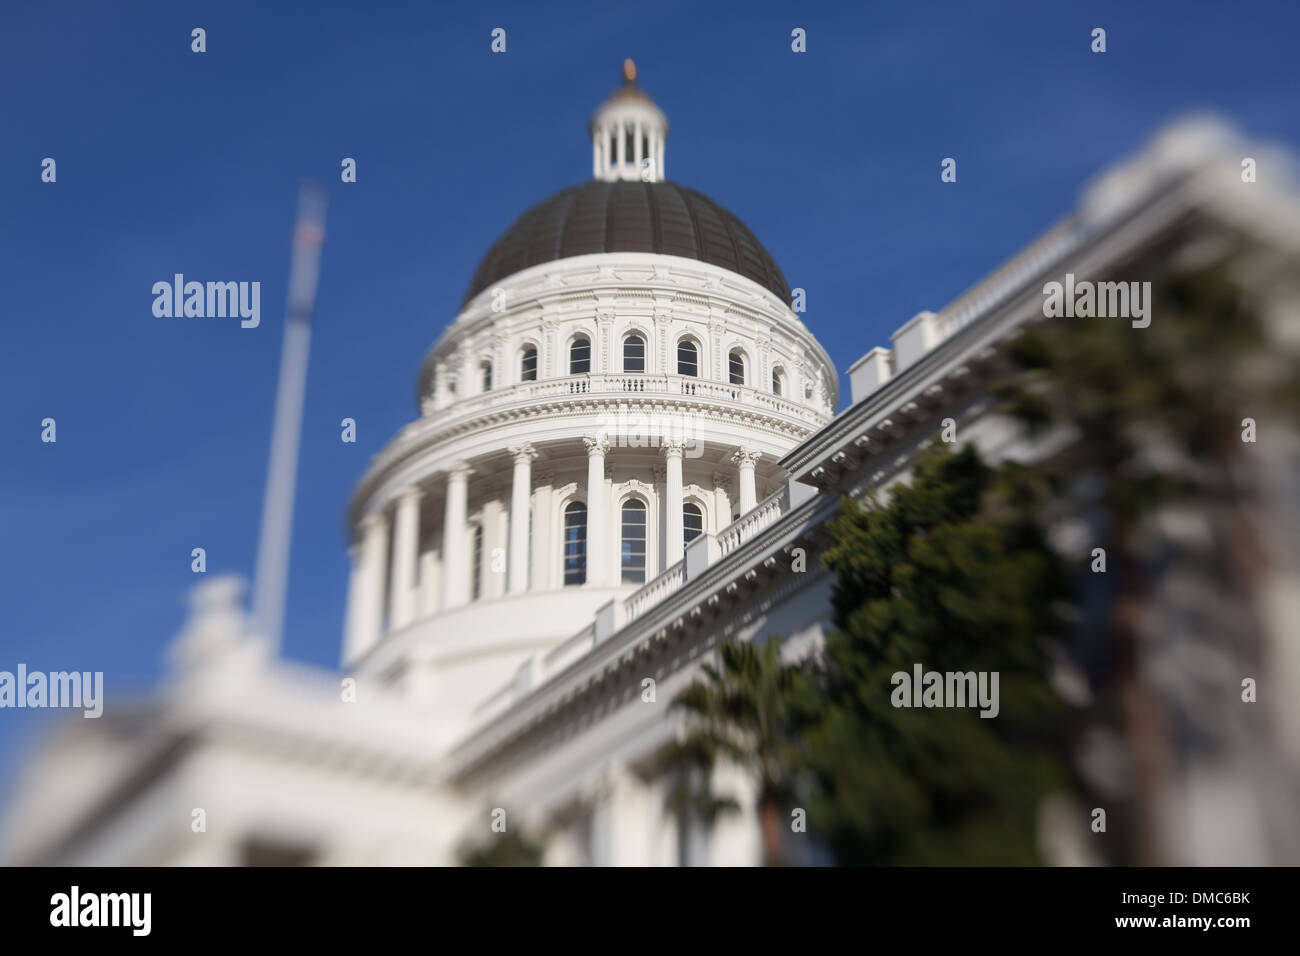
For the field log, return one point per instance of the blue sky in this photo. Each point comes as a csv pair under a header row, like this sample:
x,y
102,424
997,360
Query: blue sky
x,y
170,161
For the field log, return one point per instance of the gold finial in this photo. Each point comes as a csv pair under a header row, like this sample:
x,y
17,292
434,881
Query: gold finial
x,y
629,71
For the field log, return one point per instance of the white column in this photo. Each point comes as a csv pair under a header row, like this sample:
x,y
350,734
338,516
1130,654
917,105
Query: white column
x,y
352,618
406,553
745,459
520,496
430,583
597,518
721,501
544,556
659,163
455,554
636,147
674,532
496,537
366,612
621,144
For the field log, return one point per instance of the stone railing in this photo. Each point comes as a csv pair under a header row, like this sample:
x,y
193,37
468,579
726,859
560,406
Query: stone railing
x,y
975,302
571,649
765,513
654,591
609,384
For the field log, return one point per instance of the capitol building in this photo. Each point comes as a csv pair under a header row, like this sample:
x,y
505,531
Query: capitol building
x,y
624,449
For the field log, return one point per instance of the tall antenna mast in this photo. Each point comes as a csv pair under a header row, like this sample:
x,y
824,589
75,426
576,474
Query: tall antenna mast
x,y
272,576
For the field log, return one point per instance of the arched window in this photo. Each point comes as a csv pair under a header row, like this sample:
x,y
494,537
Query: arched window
x,y
475,565
778,382
807,391
486,370
692,522
580,356
634,354
736,367
634,528
688,358
575,543
528,364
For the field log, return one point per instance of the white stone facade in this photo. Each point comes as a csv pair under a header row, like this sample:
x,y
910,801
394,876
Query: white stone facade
x,y
659,381
485,681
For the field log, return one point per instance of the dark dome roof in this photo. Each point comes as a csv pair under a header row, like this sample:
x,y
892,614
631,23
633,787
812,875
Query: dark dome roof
x,y
629,217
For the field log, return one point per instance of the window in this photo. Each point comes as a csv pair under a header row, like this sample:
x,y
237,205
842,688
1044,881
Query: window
x,y
645,146
528,365
736,367
634,354
688,358
475,569
807,391
486,370
692,523
634,527
575,543
629,145
580,356
778,381
613,149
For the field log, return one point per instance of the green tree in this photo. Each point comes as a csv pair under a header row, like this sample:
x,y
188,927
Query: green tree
x,y
1154,417
688,765
511,848
742,711
950,572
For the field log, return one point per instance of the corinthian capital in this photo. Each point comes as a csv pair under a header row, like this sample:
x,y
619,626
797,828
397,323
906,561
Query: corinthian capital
x,y
596,445
523,453
745,457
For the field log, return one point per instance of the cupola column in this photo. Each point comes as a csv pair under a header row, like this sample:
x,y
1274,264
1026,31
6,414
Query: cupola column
x,y
745,459
520,497
597,517
674,533
406,554
455,557
366,597
638,129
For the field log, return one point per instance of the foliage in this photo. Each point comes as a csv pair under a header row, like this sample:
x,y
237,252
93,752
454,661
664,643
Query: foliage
x,y
511,848
742,711
952,573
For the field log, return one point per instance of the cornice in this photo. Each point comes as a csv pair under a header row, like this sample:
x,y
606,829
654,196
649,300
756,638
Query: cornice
x,y
423,437
735,585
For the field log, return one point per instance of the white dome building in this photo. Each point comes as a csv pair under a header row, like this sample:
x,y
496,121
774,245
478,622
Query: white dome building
x,y
624,374
544,557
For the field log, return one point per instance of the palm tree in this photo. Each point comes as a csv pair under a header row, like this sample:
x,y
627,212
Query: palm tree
x,y
511,848
743,711
688,763
1156,417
